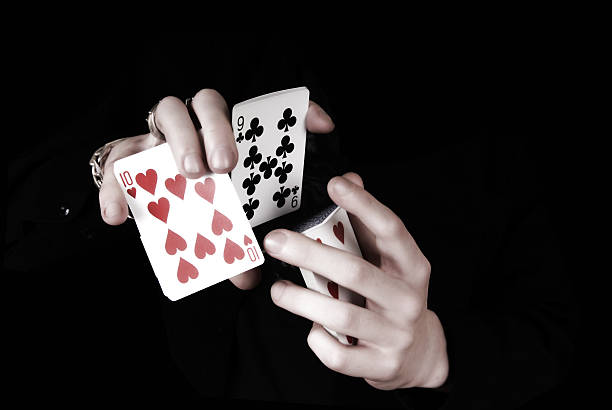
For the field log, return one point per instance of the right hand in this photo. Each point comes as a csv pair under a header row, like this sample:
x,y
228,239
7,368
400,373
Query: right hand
x,y
215,144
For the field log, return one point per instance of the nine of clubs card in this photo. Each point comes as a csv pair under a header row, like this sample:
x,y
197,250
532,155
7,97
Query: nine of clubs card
x,y
270,133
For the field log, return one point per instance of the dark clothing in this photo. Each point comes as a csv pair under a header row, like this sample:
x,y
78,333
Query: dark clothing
x,y
450,151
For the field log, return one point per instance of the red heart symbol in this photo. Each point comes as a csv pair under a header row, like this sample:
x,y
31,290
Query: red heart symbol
x,y
174,241
339,231
160,209
247,241
232,251
221,222
185,271
132,192
319,240
177,185
147,182
203,247
207,189
351,340
332,287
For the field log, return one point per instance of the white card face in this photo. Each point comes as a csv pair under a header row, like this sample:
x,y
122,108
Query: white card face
x,y
270,133
194,231
336,231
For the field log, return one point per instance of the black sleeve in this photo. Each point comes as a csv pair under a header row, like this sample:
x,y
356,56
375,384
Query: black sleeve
x,y
83,296
513,339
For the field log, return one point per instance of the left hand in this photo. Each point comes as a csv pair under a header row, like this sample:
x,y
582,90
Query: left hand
x,y
195,153
401,343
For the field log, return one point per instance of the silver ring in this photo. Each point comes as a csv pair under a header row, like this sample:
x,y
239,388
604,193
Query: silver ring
x,y
97,161
153,130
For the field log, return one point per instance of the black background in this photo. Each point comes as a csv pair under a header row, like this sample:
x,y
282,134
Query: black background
x,y
449,89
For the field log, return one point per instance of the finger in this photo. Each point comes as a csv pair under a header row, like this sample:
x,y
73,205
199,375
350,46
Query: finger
x,y
342,267
354,178
343,317
113,206
356,361
317,120
247,280
219,144
356,200
365,238
172,119
392,236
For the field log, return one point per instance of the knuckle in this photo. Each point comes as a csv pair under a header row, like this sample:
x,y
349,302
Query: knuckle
x,y
109,164
392,368
169,101
359,271
209,94
206,93
413,308
336,360
394,225
361,195
355,178
110,189
310,340
105,189
405,339
123,149
374,383
427,266
217,133
310,252
424,267
165,107
380,384
346,318
412,304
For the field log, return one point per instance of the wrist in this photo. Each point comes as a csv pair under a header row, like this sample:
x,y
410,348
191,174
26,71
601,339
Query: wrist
x,y
434,358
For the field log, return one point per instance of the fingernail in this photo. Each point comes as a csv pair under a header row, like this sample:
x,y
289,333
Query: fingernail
x,y
112,209
192,163
342,186
274,242
222,158
277,289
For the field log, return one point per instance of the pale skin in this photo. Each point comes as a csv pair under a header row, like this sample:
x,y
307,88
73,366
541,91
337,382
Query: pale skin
x,y
401,343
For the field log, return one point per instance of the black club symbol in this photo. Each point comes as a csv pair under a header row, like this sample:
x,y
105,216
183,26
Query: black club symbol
x,y
285,148
282,171
240,138
287,121
255,131
280,196
250,182
295,189
267,166
253,158
249,209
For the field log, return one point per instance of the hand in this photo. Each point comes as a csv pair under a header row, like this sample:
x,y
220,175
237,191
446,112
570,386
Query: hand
x,y
400,342
195,153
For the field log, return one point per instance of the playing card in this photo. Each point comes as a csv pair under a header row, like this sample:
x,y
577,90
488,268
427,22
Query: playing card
x,y
270,133
334,230
194,231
